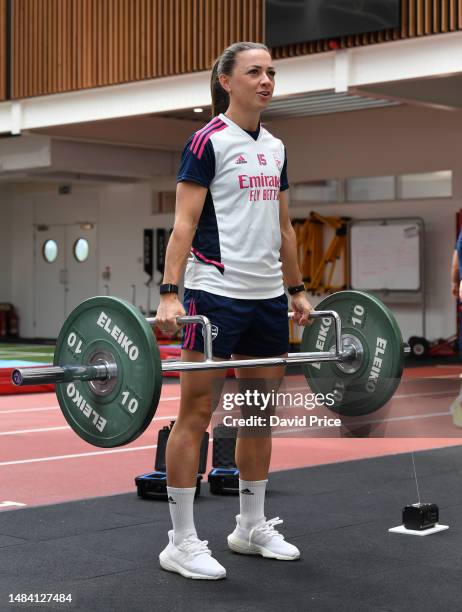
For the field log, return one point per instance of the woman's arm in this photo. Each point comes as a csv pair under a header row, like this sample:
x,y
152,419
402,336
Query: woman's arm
x,y
290,269
190,198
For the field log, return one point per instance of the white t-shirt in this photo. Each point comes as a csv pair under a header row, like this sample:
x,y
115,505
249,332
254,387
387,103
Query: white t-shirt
x,y
235,251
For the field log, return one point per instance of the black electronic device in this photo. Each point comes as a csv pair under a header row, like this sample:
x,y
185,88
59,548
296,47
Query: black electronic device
x,y
420,516
224,476
224,481
301,21
154,484
148,265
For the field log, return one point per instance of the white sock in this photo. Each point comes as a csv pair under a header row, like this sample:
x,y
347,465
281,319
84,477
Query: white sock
x,y
180,502
252,501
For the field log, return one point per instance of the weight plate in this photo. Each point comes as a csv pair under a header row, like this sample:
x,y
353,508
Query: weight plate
x,y
376,374
117,411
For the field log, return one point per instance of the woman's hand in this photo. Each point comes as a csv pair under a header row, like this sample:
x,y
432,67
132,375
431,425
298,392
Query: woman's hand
x,y
169,309
301,308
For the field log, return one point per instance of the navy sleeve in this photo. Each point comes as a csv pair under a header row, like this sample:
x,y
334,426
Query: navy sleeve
x,y
458,245
284,179
459,252
197,165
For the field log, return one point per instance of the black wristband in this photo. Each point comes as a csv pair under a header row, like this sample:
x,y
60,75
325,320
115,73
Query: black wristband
x,y
168,288
297,289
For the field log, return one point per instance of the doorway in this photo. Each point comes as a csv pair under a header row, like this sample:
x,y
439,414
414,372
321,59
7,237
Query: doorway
x,y
66,273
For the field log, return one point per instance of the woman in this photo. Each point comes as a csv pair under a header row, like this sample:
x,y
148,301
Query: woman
x,y
232,220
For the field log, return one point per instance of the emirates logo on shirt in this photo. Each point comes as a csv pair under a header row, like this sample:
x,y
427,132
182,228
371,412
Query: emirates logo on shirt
x,y
241,160
256,186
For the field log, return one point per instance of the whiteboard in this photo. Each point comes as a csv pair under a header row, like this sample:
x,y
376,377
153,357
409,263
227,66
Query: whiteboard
x,y
386,255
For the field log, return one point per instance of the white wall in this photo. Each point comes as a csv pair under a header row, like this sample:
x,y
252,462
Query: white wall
x,y
22,260
121,212
367,143
125,211
380,142
5,244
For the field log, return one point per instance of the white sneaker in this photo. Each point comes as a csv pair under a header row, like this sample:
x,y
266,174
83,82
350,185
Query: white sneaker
x,y
263,539
191,558
456,411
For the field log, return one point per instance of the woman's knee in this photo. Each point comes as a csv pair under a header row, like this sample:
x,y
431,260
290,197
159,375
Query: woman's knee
x,y
195,413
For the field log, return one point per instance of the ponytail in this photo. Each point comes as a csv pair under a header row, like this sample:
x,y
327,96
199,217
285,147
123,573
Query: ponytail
x,y
225,65
220,97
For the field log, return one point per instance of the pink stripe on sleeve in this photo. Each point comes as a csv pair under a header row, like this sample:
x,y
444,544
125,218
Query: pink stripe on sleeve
x,y
204,134
206,139
201,132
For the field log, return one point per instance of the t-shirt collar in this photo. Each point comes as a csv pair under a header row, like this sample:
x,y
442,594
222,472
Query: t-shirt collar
x,y
231,123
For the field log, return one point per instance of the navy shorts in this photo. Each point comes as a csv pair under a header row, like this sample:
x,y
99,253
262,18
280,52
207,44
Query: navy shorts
x,y
257,328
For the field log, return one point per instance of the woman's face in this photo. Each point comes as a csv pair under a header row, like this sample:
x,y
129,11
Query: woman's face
x,y
251,84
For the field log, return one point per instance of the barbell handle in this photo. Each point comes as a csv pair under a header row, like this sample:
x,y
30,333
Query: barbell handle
x,y
58,374
195,319
207,328
329,314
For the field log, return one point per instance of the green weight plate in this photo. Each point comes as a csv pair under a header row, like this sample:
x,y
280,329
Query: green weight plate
x,y
370,381
116,411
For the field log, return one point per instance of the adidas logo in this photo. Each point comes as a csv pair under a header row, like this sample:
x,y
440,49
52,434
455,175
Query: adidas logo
x,y
246,492
171,500
241,160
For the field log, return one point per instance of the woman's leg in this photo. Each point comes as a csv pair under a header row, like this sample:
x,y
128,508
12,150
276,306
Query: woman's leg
x,y
253,455
253,533
200,391
185,553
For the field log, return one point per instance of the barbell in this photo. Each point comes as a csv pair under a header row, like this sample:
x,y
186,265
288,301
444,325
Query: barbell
x,y
108,372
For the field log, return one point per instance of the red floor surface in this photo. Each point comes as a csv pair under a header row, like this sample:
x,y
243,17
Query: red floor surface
x,y
44,462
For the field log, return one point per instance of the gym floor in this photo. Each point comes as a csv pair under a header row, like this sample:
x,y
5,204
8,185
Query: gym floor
x,y
72,522
37,353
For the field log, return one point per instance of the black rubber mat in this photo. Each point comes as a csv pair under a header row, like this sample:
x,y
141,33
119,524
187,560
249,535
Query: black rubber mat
x,y
103,551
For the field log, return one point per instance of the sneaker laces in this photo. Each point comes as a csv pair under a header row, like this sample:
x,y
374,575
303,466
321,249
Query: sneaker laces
x,y
267,528
193,546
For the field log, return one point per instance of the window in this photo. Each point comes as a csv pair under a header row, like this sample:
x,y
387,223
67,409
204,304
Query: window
x,y
50,251
375,188
425,185
370,189
315,191
81,250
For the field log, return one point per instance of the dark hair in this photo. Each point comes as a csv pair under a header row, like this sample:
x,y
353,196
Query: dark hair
x,y
225,65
